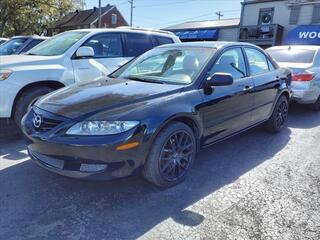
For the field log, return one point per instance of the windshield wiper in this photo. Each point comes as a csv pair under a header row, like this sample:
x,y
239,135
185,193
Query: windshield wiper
x,y
135,78
31,54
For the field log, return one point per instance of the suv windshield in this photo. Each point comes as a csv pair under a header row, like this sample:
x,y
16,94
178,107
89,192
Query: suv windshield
x,y
58,44
12,46
176,65
292,55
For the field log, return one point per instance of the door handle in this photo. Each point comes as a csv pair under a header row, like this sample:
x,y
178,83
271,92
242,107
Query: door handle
x,y
247,88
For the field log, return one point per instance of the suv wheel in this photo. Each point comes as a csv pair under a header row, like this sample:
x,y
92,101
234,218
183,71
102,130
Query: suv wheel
x,y
26,100
171,155
279,116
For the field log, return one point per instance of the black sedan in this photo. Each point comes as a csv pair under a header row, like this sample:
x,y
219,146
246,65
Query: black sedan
x,y
153,114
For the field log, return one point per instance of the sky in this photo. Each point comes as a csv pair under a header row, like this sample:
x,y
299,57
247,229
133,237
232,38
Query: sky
x,y
165,13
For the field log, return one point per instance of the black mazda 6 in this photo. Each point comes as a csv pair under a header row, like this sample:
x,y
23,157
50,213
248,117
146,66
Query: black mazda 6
x,y
152,115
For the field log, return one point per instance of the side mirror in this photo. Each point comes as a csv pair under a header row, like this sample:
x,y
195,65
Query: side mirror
x,y
83,52
220,79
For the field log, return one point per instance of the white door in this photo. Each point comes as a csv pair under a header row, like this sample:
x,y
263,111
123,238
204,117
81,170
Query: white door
x,y
108,56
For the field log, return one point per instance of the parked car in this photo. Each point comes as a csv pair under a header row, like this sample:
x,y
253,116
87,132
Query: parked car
x,y
154,113
304,61
3,40
20,44
67,58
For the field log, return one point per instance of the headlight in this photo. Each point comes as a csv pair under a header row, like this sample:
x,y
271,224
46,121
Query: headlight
x,y
101,127
5,73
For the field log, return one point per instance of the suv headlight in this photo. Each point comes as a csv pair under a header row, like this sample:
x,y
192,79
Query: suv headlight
x,y
5,73
93,128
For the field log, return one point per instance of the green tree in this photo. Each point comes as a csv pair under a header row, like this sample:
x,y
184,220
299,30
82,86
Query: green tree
x,y
24,17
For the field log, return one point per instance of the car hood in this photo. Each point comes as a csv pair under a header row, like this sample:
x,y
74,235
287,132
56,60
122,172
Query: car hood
x,y
10,61
87,99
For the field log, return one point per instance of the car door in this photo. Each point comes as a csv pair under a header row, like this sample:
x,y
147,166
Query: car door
x,y
228,108
266,80
108,56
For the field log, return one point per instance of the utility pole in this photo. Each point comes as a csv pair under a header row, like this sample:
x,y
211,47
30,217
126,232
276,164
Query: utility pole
x,y
219,14
131,12
99,13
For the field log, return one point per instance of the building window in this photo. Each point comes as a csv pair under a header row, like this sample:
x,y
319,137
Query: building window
x,y
316,13
265,16
114,19
294,15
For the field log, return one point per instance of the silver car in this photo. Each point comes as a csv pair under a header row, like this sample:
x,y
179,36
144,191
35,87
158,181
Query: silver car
x,y
3,40
304,61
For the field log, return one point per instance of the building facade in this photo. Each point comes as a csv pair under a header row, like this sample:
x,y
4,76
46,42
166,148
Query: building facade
x,y
212,30
274,22
111,17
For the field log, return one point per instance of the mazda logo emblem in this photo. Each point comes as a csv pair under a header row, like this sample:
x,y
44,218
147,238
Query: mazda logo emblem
x,y
37,120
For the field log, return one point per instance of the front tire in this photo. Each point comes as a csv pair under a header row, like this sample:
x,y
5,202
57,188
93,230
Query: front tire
x,y
279,116
26,100
171,155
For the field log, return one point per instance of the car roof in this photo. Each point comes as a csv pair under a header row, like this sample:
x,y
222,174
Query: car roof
x,y
31,36
210,44
286,47
128,29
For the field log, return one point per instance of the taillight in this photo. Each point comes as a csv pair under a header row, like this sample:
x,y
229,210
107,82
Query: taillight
x,y
303,77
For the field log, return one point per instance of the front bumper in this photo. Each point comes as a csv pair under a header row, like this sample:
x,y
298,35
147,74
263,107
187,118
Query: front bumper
x,y
86,157
305,92
8,92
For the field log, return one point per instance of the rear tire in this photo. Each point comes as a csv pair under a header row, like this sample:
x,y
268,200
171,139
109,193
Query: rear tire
x,y
279,116
26,100
171,155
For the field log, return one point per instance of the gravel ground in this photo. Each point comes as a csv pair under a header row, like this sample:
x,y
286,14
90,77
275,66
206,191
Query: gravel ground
x,y
253,186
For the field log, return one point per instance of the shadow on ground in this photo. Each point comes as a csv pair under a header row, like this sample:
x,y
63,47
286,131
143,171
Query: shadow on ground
x,y
37,204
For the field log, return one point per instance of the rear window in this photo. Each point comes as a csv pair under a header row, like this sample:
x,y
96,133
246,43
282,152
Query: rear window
x,y
138,44
163,40
293,55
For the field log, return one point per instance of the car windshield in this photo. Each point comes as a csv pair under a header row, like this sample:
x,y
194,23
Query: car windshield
x,y
292,55
175,65
58,44
12,46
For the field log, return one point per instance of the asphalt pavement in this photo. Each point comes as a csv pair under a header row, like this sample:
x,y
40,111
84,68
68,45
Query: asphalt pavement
x,y
253,186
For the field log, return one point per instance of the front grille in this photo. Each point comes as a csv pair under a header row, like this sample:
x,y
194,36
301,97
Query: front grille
x,y
48,124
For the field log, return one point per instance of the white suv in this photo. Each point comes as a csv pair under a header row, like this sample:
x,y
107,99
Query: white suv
x,y
68,58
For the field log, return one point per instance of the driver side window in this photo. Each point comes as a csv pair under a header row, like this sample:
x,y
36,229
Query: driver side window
x,y
108,45
232,62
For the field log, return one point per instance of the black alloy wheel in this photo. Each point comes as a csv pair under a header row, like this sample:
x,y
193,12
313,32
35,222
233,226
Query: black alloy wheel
x,y
176,155
282,115
171,155
279,116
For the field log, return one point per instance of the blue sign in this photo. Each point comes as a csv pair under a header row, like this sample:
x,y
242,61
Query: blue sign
x,y
211,34
304,35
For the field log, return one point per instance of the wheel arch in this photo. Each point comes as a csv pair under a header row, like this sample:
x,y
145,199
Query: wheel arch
x,y
188,119
48,83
